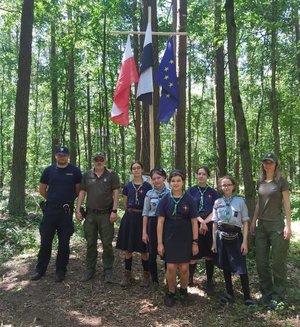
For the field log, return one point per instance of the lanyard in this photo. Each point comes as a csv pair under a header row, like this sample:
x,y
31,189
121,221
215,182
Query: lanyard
x,y
227,214
201,203
137,202
176,202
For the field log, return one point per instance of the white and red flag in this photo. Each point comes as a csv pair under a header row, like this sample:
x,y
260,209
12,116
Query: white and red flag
x,y
128,75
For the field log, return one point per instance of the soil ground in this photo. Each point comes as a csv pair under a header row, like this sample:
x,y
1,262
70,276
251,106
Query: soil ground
x,y
44,303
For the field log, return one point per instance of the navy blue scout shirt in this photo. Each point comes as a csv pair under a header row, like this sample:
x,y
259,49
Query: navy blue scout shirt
x,y
61,183
136,194
186,208
209,197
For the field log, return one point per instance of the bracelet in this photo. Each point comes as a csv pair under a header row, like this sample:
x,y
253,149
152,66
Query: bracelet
x,y
195,241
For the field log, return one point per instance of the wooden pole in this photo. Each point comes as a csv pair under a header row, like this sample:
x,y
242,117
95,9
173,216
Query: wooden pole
x,y
151,118
151,109
153,33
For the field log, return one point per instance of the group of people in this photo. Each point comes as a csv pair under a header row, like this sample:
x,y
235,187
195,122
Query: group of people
x,y
180,226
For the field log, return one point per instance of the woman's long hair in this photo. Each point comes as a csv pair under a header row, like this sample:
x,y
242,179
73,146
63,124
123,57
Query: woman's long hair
x,y
277,173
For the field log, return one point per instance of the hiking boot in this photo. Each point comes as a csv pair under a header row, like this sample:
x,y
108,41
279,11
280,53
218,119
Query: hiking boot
x,y
90,274
59,277
183,296
108,276
36,275
127,278
146,279
210,286
169,299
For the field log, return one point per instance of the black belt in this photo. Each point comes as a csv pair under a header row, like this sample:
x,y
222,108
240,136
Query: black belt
x,y
98,211
230,228
58,205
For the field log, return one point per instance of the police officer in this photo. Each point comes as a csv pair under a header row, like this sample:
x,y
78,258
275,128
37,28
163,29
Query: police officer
x,y
59,185
101,186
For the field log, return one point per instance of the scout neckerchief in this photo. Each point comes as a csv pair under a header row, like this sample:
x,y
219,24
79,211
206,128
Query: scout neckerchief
x,y
162,193
176,202
201,203
227,214
139,186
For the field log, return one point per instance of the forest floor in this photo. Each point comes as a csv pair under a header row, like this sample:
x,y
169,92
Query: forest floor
x,y
25,303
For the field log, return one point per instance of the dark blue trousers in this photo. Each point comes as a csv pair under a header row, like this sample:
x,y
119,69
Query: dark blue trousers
x,y
55,220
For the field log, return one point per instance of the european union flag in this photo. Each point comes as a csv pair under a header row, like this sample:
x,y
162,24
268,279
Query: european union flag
x,y
166,77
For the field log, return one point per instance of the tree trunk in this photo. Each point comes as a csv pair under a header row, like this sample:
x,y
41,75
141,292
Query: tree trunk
x,y
297,39
54,88
105,95
88,136
72,103
189,129
273,95
220,94
16,203
242,132
181,57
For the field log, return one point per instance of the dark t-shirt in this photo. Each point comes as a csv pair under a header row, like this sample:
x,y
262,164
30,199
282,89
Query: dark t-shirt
x,y
270,199
186,208
209,197
61,183
136,194
100,189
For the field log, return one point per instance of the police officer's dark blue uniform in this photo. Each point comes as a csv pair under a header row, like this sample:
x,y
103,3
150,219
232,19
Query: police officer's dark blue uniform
x,y
59,185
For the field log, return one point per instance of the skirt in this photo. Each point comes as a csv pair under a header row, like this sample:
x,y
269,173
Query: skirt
x,y
177,239
130,233
229,255
205,244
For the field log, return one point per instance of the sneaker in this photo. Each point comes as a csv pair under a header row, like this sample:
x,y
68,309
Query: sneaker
x,y
90,274
226,299
59,277
249,302
36,275
108,276
169,299
272,305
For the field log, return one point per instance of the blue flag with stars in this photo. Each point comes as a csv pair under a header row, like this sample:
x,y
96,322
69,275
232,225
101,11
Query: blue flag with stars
x,y
167,79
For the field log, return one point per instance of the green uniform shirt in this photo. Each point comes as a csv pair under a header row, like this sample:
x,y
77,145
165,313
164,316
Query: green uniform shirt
x,y
270,199
100,189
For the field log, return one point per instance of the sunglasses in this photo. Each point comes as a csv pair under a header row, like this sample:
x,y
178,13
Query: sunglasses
x,y
99,159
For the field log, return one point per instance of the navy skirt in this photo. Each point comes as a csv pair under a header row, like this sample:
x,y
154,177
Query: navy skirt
x,y
205,243
152,235
130,233
177,240
229,255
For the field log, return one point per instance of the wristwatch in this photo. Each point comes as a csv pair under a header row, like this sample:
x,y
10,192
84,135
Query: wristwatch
x,y
114,210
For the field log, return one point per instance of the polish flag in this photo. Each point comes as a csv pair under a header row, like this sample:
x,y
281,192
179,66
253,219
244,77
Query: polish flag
x,y
128,75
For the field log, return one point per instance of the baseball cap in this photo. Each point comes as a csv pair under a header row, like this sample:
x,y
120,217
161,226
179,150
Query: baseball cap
x,y
270,156
62,149
99,155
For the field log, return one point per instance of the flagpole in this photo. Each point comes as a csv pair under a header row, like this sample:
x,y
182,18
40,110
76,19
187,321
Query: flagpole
x,y
151,118
143,33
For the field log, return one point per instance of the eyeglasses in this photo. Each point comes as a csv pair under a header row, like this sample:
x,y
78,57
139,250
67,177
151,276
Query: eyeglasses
x,y
226,185
99,159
